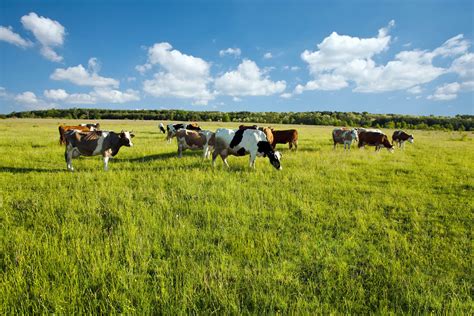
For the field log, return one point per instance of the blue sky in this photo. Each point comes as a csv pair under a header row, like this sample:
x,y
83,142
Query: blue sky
x,y
408,57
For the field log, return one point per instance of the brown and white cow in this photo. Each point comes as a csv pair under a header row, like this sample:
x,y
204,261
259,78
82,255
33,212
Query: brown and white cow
x,y
195,140
400,137
173,128
95,143
372,138
289,137
344,136
64,128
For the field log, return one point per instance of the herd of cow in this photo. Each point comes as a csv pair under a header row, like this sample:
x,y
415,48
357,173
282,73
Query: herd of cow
x,y
90,140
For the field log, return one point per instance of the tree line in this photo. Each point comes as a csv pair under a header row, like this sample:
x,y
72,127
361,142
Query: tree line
x,y
364,119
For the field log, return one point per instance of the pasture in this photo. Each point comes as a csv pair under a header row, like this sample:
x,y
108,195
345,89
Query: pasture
x,y
333,232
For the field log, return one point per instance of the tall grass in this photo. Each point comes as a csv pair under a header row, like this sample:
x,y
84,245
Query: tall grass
x,y
333,232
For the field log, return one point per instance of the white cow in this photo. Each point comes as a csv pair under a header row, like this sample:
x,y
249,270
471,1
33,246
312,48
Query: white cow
x,y
242,142
344,136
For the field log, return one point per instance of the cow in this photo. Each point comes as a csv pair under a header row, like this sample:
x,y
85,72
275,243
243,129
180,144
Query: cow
x,y
162,128
195,140
173,128
289,136
267,130
91,126
64,128
400,137
371,138
344,136
95,143
242,142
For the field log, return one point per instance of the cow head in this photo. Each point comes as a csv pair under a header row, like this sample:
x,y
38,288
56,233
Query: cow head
x,y
126,138
274,156
411,139
386,144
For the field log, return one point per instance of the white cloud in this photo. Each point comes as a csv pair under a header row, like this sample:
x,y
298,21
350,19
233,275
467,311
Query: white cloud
x,y
464,66
248,79
82,77
3,92
286,95
7,35
341,59
415,90
449,91
98,95
26,98
58,94
230,51
236,99
143,68
182,76
268,55
49,34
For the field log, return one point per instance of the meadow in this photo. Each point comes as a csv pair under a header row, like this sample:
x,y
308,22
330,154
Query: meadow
x,y
333,232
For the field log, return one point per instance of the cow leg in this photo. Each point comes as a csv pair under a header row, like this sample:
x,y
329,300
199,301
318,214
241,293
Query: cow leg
x,y
205,153
224,159
214,156
106,162
180,150
252,160
68,156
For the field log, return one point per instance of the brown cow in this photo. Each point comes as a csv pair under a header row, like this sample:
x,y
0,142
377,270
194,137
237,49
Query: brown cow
x,y
266,130
64,128
400,137
289,136
373,138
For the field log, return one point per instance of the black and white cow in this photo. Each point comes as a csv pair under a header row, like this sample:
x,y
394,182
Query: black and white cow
x,y
242,142
95,143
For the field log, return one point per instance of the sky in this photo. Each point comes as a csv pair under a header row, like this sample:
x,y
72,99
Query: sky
x,y
404,57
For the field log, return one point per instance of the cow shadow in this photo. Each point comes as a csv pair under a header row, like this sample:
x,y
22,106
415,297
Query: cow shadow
x,y
163,156
29,170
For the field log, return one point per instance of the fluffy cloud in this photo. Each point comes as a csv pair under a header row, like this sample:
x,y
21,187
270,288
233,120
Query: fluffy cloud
x,y
27,98
268,55
98,95
248,79
84,77
341,60
230,51
449,91
7,35
464,66
181,75
49,34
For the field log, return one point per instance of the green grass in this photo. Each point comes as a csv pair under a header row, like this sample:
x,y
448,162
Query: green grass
x,y
333,232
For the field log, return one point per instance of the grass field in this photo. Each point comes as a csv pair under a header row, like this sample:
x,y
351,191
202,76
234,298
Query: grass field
x,y
333,232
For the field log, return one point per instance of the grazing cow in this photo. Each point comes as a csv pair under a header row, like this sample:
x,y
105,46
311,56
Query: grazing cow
x,y
267,130
344,136
195,140
400,137
289,136
91,126
173,128
162,128
95,143
241,142
371,138
64,128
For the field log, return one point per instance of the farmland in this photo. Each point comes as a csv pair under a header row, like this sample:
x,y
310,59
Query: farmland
x,y
334,231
